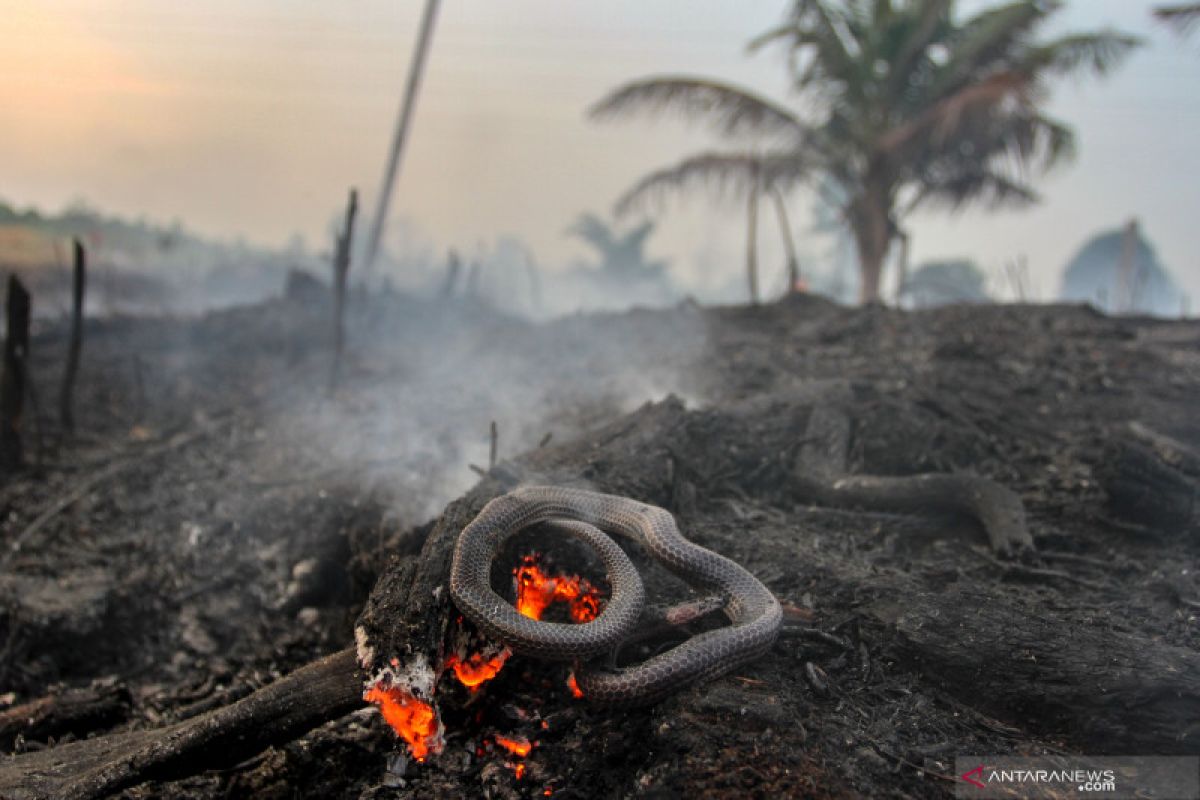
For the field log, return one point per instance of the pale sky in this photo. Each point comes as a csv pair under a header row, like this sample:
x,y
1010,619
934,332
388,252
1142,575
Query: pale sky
x,y
252,117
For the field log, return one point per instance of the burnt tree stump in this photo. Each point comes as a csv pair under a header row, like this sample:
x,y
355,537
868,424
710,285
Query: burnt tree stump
x,y
75,341
13,383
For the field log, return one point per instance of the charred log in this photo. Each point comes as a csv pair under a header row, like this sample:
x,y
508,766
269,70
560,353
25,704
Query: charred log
x,y
820,478
1105,690
291,706
1151,479
72,712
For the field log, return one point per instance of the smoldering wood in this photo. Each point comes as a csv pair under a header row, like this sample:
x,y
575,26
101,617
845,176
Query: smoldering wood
x,y
289,707
13,382
75,340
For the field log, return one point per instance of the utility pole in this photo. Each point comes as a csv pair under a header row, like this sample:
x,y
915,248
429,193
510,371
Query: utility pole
x,y
415,70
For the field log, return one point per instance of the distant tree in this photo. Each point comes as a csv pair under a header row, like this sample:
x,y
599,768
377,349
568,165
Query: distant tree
x,y
906,105
938,283
621,255
1119,270
748,175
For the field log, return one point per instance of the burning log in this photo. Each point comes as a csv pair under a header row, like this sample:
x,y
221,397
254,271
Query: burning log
x,y
66,414
13,383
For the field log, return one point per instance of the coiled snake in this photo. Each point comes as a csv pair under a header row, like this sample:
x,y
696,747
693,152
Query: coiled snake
x,y
753,611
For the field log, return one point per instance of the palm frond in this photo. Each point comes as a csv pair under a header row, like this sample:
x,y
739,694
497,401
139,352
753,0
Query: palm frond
x,y
919,32
982,43
1180,17
729,110
1099,52
945,118
990,187
725,173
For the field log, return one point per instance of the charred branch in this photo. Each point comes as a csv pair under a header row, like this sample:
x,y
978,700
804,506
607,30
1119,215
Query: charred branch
x,y
280,712
820,478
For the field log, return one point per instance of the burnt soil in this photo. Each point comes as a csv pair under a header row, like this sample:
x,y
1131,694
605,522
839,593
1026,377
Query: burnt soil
x,y
222,515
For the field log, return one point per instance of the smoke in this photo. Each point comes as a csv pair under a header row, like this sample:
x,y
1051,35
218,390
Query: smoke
x,y
425,379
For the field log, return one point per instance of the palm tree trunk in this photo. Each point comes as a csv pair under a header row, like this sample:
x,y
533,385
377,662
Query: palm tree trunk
x,y
902,266
789,244
872,235
752,245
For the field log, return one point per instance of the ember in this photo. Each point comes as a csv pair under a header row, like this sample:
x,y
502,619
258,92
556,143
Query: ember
x,y
477,669
413,721
573,685
519,747
536,591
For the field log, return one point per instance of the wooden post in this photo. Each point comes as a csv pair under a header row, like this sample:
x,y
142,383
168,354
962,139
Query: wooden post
x,y
341,269
75,345
12,383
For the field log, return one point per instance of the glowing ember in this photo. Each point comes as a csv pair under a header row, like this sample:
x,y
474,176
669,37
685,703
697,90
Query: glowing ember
x,y
477,669
573,685
413,720
536,591
518,747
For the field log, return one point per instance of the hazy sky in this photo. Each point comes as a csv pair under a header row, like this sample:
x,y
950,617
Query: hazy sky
x,y
252,117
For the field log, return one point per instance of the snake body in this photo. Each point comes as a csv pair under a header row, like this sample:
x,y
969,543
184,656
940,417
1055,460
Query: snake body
x,y
753,611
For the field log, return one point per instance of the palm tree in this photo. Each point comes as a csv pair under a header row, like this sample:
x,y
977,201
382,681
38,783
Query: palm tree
x,y
749,175
903,105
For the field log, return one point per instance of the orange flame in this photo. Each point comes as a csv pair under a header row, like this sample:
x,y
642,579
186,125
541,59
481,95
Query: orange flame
x,y
516,746
573,685
413,721
476,669
536,591
519,770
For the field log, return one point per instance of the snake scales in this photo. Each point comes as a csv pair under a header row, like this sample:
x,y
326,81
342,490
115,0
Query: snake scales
x,y
753,611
